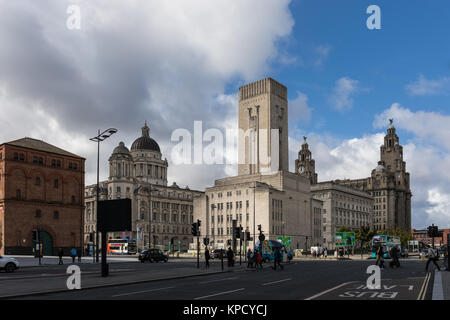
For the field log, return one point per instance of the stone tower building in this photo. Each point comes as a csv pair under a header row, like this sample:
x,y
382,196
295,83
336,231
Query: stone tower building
x,y
263,124
389,185
305,164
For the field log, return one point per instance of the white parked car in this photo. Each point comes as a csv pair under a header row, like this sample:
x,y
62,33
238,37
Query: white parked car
x,y
8,264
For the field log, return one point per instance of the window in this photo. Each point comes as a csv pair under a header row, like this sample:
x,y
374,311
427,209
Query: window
x,y
41,161
56,183
53,163
21,157
37,214
16,156
118,189
73,199
18,193
38,181
55,215
35,159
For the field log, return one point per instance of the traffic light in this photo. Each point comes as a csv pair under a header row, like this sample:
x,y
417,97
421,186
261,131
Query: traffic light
x,y
35,235
205,241
237,232
259,227
194,229
248,235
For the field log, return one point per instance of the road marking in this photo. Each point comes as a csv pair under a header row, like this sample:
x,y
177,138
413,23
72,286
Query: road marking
x,y
438,292
218,294
423,289
268,283
329,290
137,292
217,280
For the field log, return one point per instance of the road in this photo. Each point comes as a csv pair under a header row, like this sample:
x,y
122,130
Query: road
x,y
298,281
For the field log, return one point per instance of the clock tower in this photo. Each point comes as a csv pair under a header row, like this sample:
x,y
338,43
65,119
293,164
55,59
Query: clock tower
x,y
305,164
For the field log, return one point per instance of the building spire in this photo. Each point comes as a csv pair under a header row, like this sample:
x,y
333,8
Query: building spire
x,y
145,130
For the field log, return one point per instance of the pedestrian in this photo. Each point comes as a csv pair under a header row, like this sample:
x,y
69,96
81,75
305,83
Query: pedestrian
x,y
277,259
432,257
73,253
207,257
249,259
258,260
60,255
230,257
380,257
289,256
325,253
394,255
79,255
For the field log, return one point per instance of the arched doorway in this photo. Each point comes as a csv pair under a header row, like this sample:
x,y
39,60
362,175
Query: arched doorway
x,y
47,243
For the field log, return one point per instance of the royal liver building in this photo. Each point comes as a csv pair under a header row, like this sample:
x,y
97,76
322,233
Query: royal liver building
x,y
161,215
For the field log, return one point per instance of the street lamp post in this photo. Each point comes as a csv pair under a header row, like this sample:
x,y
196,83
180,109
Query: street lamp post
x,y
99,138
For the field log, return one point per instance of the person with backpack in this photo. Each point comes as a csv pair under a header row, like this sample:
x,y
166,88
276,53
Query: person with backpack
x,y
380,257
394,255
73,253
432,257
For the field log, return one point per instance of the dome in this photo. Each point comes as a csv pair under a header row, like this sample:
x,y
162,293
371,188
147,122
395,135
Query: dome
x,y
121,149
145,142
379,168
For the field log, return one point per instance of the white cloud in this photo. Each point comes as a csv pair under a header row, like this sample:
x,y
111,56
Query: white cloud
x,y
424,86
439,210
341,98
322,53
299,110
166,62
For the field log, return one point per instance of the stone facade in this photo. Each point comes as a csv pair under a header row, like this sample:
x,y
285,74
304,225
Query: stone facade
x,y
389,184
342,207
41,188
264,193
161,214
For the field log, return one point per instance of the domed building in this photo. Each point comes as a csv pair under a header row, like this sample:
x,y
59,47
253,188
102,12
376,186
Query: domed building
x,y
162,215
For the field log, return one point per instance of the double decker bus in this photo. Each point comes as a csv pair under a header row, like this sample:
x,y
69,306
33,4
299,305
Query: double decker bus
x,y
387,242
121,246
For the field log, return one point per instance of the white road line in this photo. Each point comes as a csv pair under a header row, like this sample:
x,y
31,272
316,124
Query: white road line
x,y
438,292
218,294
137,292
217,280
268,283
423,289
329,290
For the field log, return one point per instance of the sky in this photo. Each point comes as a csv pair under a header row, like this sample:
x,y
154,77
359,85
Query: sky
x,y
175,62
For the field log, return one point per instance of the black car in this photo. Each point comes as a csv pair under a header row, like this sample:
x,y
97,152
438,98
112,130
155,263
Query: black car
x,y
153,255
217,253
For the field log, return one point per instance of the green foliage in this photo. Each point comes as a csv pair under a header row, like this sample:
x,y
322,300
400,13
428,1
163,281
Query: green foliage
x,y
344,229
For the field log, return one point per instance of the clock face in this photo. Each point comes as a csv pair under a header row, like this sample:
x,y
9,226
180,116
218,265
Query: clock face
x,y
302,169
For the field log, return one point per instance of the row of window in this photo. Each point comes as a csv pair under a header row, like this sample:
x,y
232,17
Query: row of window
x,y
40,161
38,214
229,193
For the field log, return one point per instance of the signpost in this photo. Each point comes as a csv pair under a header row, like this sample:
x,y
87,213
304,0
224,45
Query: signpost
x,y
344,239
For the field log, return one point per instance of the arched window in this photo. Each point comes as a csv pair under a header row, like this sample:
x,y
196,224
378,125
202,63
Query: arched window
x,y
38,181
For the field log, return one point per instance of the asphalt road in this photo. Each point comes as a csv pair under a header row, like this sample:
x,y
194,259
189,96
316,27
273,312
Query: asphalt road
x,y
298,280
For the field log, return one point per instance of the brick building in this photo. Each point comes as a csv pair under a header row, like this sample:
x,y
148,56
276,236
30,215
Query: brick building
x,y
41,188
422,236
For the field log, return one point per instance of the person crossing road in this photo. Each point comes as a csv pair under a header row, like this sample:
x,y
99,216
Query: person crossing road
x,y
432,257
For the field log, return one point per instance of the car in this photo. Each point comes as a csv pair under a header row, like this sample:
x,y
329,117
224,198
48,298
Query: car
x,y
217,253
153,255
8,264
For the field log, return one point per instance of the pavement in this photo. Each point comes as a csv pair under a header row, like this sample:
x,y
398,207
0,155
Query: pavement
x,y
303,278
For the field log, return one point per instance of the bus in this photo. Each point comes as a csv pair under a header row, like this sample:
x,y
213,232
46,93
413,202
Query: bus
x,y
388,242
268,249
121,246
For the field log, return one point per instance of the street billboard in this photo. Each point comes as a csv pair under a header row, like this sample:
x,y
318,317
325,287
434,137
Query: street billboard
x,y
344,239
286,241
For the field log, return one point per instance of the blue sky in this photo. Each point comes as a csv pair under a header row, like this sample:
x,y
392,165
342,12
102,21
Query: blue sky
x,y
414,40
175,62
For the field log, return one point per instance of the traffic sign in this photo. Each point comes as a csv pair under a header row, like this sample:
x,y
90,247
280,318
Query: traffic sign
x,y
261,237
344,239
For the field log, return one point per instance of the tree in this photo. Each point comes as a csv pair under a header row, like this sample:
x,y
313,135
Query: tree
x,y
344,229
